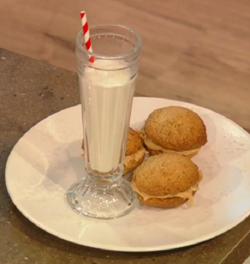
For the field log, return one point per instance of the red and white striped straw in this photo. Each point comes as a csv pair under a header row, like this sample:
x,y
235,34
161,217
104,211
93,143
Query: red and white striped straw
x,y
85,29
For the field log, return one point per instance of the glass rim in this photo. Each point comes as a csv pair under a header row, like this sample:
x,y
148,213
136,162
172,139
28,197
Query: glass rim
x,y
99,56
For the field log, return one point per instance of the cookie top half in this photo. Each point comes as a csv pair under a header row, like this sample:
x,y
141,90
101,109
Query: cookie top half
x,y
176,128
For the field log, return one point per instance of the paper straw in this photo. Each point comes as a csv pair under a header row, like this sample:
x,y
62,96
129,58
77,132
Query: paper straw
x,y
85,29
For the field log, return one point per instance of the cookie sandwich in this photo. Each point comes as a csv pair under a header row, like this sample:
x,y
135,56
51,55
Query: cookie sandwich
x,y
135,152
174,129
166,180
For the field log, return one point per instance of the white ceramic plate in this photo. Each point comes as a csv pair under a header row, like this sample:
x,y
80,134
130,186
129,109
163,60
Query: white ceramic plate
x,y
46,161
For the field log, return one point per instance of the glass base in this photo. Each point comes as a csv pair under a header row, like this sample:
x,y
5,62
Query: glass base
x,y
101,199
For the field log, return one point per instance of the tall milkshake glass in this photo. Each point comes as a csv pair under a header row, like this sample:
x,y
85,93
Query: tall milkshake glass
x,y
106,88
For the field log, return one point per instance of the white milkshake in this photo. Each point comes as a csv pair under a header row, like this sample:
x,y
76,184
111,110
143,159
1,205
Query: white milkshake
x,y
106,97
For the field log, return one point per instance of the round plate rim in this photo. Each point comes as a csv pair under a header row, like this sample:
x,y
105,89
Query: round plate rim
x,y
122,248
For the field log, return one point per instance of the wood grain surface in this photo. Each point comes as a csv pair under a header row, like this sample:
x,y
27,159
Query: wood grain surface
x,y
193,50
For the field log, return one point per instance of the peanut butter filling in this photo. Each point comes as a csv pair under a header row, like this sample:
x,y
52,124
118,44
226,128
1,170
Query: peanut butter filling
x,y
188,194
135,156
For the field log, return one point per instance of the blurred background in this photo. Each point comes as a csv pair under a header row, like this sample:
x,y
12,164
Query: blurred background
x,y
196,51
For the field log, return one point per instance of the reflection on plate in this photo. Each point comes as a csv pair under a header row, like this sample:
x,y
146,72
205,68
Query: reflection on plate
x,y
47,160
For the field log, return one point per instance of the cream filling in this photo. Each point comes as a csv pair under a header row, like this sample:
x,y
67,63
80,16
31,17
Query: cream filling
x,y
151,145
188,194
135,156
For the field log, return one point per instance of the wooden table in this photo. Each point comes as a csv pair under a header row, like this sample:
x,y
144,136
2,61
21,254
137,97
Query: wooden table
x,y
193,50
